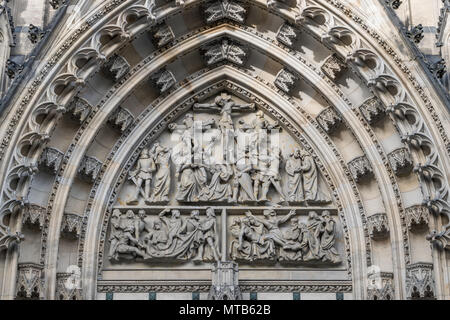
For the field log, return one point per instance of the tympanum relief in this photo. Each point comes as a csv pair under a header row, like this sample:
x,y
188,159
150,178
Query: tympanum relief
x,y
225,181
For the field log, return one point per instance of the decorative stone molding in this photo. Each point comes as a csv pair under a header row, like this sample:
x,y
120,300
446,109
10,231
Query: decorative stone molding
x,y
163,35
35,34
400,160
34,214
30,285
287,35
333,67
67,287
121,119
71,224
372,110
89,168
225,281
117,67
51,159
381,286
360,168
378,226
225,50
225,10
80,109
417,217
164,80
420,282
329,120
285,80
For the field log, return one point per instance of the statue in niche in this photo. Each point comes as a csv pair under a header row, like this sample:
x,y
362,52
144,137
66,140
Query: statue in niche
x,y
142,175
262,238
220,188
295,178
268,174
225,106
311,179
161,186
242,182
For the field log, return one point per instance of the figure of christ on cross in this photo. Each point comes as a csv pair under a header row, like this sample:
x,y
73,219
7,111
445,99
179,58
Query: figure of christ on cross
x,y
225,106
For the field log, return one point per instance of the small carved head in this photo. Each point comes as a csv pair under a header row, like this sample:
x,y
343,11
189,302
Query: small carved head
x,y
175,213
142,214
210,212
195,214
130,214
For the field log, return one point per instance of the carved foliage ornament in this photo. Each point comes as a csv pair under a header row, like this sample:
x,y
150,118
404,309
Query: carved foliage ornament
x,y
67,287
378,226
285,80
117,67
89,168
80,109
372,110
417,217
225,10
420,282
51,159
287,35
381,286
29,281
329,120
225,50
360,168
34,215
163,35
400,160
121,118
71,224
333,67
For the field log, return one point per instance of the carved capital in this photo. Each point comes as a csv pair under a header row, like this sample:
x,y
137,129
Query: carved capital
x,y
121,119
381,286
333,67
400,160
420,282
80,109
71,224
329,120
378,226
117,67
34,215
360,168
30,283
225,50
67,287
225,10
372,110
417,217
51,159
163,35
287,35
89,168
285,80
164,80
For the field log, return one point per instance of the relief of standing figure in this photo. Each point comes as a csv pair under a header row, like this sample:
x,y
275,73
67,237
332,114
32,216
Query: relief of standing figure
x,y
142,175
161,186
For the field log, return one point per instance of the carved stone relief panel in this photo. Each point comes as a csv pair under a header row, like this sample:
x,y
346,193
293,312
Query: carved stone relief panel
x,y
30,284
420,281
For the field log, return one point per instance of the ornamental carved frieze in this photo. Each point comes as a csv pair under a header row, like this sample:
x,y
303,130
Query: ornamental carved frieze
x,y
333,67
287,34
225,9
30,284
89,168
121,119
68,286
417,217
117,67
51,159
420,281
380,286
285,80
360,168
225,51
71,225
329,120
372,109
401,162
80,109
163,35
34,215
378,226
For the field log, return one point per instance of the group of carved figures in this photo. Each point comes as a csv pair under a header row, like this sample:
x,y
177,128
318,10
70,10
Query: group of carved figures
x,y
262,239
175,237
244,171
196,238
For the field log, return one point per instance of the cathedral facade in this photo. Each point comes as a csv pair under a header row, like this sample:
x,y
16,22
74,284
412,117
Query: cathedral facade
x,y
224,149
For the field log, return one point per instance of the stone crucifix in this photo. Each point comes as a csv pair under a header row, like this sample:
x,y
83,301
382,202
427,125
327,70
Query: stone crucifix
x,y
225,106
